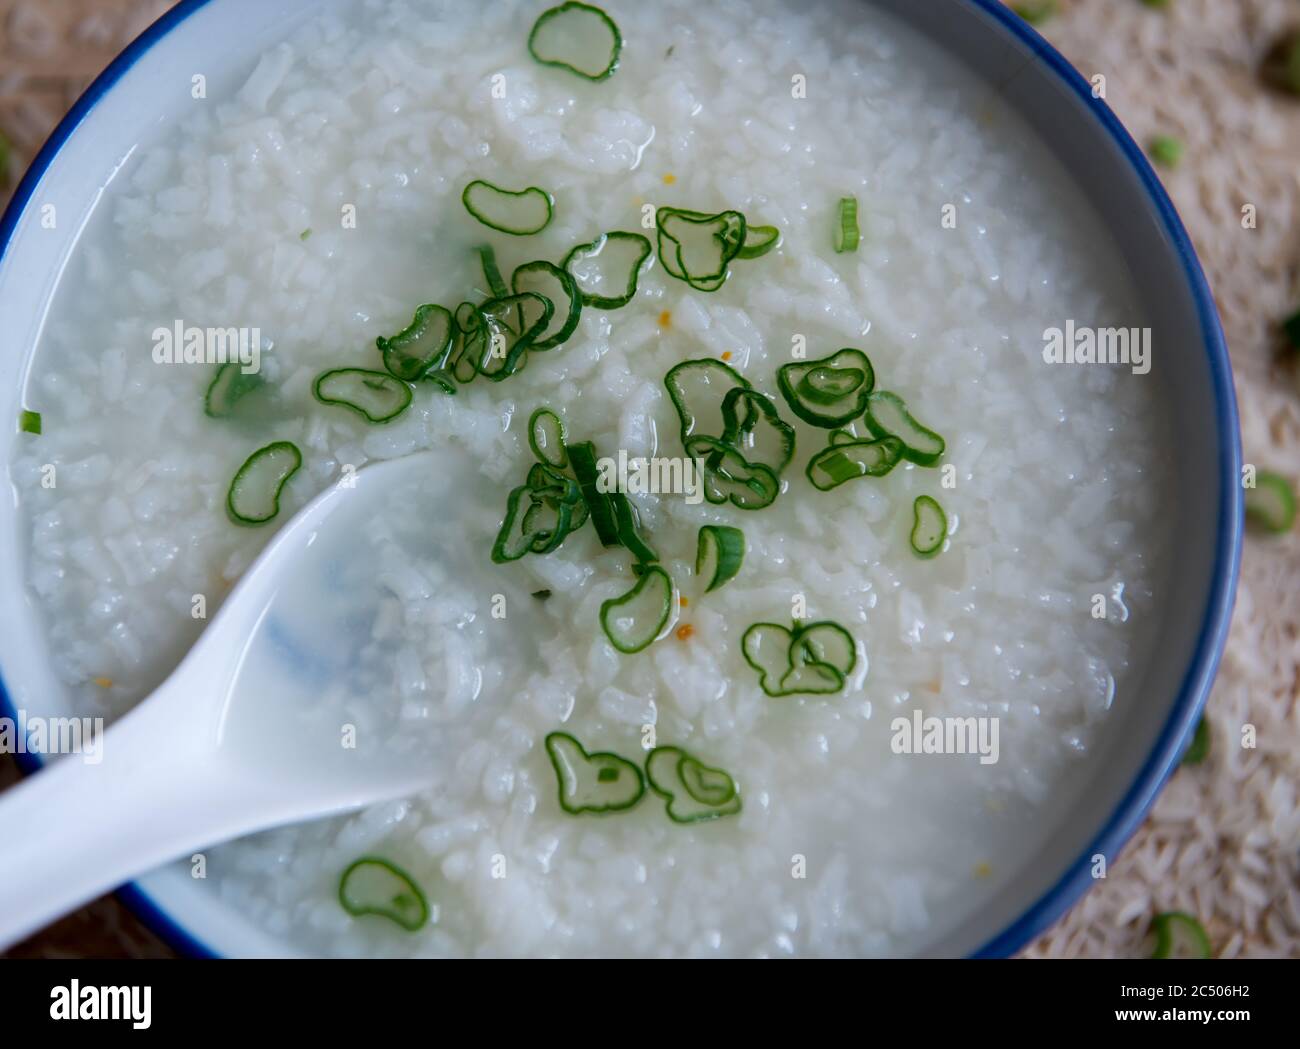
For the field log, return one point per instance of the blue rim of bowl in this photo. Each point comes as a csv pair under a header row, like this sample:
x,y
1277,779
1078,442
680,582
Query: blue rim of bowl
x,y
1174,737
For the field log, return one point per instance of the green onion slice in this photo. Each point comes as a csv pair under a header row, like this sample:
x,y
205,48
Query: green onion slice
x,y
607,269
828,392
374,886
849,460
1200,747
887,416
929,526
558,288
838,437
694,792
698,248
728,477
520,213
632,622
229,386
510,325
1271,503
773,444
719,556
254,496
847,234
420,347
583,457
809,659
698,389
577,37
546,438
376,396
759,240
492,272
1179,935
629,530
469,345
594,783
29,422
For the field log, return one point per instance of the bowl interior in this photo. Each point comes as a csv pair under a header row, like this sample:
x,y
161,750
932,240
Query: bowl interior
x,y
149,89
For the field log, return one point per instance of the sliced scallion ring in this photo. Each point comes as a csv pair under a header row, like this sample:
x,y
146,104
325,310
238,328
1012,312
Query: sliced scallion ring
x,y
773,444
229,386
469,345
929,526
1179,935
254,496
593,783
577,37
694,792
583,458
813,660
847,234
607,269
374,886
632,622
720,554
849,460
552,283
492,272
546,438
520,213
729,477
698,248
376,396
828,392
698,389
29,422
1271,503
420,347
511,323
887,416
759,240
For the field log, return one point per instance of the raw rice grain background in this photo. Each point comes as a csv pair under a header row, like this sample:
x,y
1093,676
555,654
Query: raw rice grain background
x,y
1224,840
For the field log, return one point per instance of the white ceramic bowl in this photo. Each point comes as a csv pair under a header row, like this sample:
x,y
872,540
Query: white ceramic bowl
x,y
146,90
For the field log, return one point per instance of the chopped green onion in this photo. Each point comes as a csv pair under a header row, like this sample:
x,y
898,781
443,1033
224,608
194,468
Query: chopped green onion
x,y
847,234
849,460
828,392
728,476
1200,746
694,791
492,272
228,387
599,506
838,437
304,234
629,530
1166,150
607,269
759,240
632,622
929,526
546,438
511,323
470,343
1179,935
698,389
376,396
887,416
420,347
542,595
373,886
1035,12
254,496
29,422
813,659
698,248
595,783
1271,503
719,556
520,213
577,37
540,514
557,287
777,449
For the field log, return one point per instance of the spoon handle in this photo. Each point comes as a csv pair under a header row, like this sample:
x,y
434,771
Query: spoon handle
x,y
88,823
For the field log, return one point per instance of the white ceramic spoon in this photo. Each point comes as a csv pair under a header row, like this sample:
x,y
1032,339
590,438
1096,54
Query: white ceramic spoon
x,y
240,738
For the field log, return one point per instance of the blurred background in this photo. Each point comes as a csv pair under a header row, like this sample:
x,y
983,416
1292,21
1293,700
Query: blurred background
x,y
1211,88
